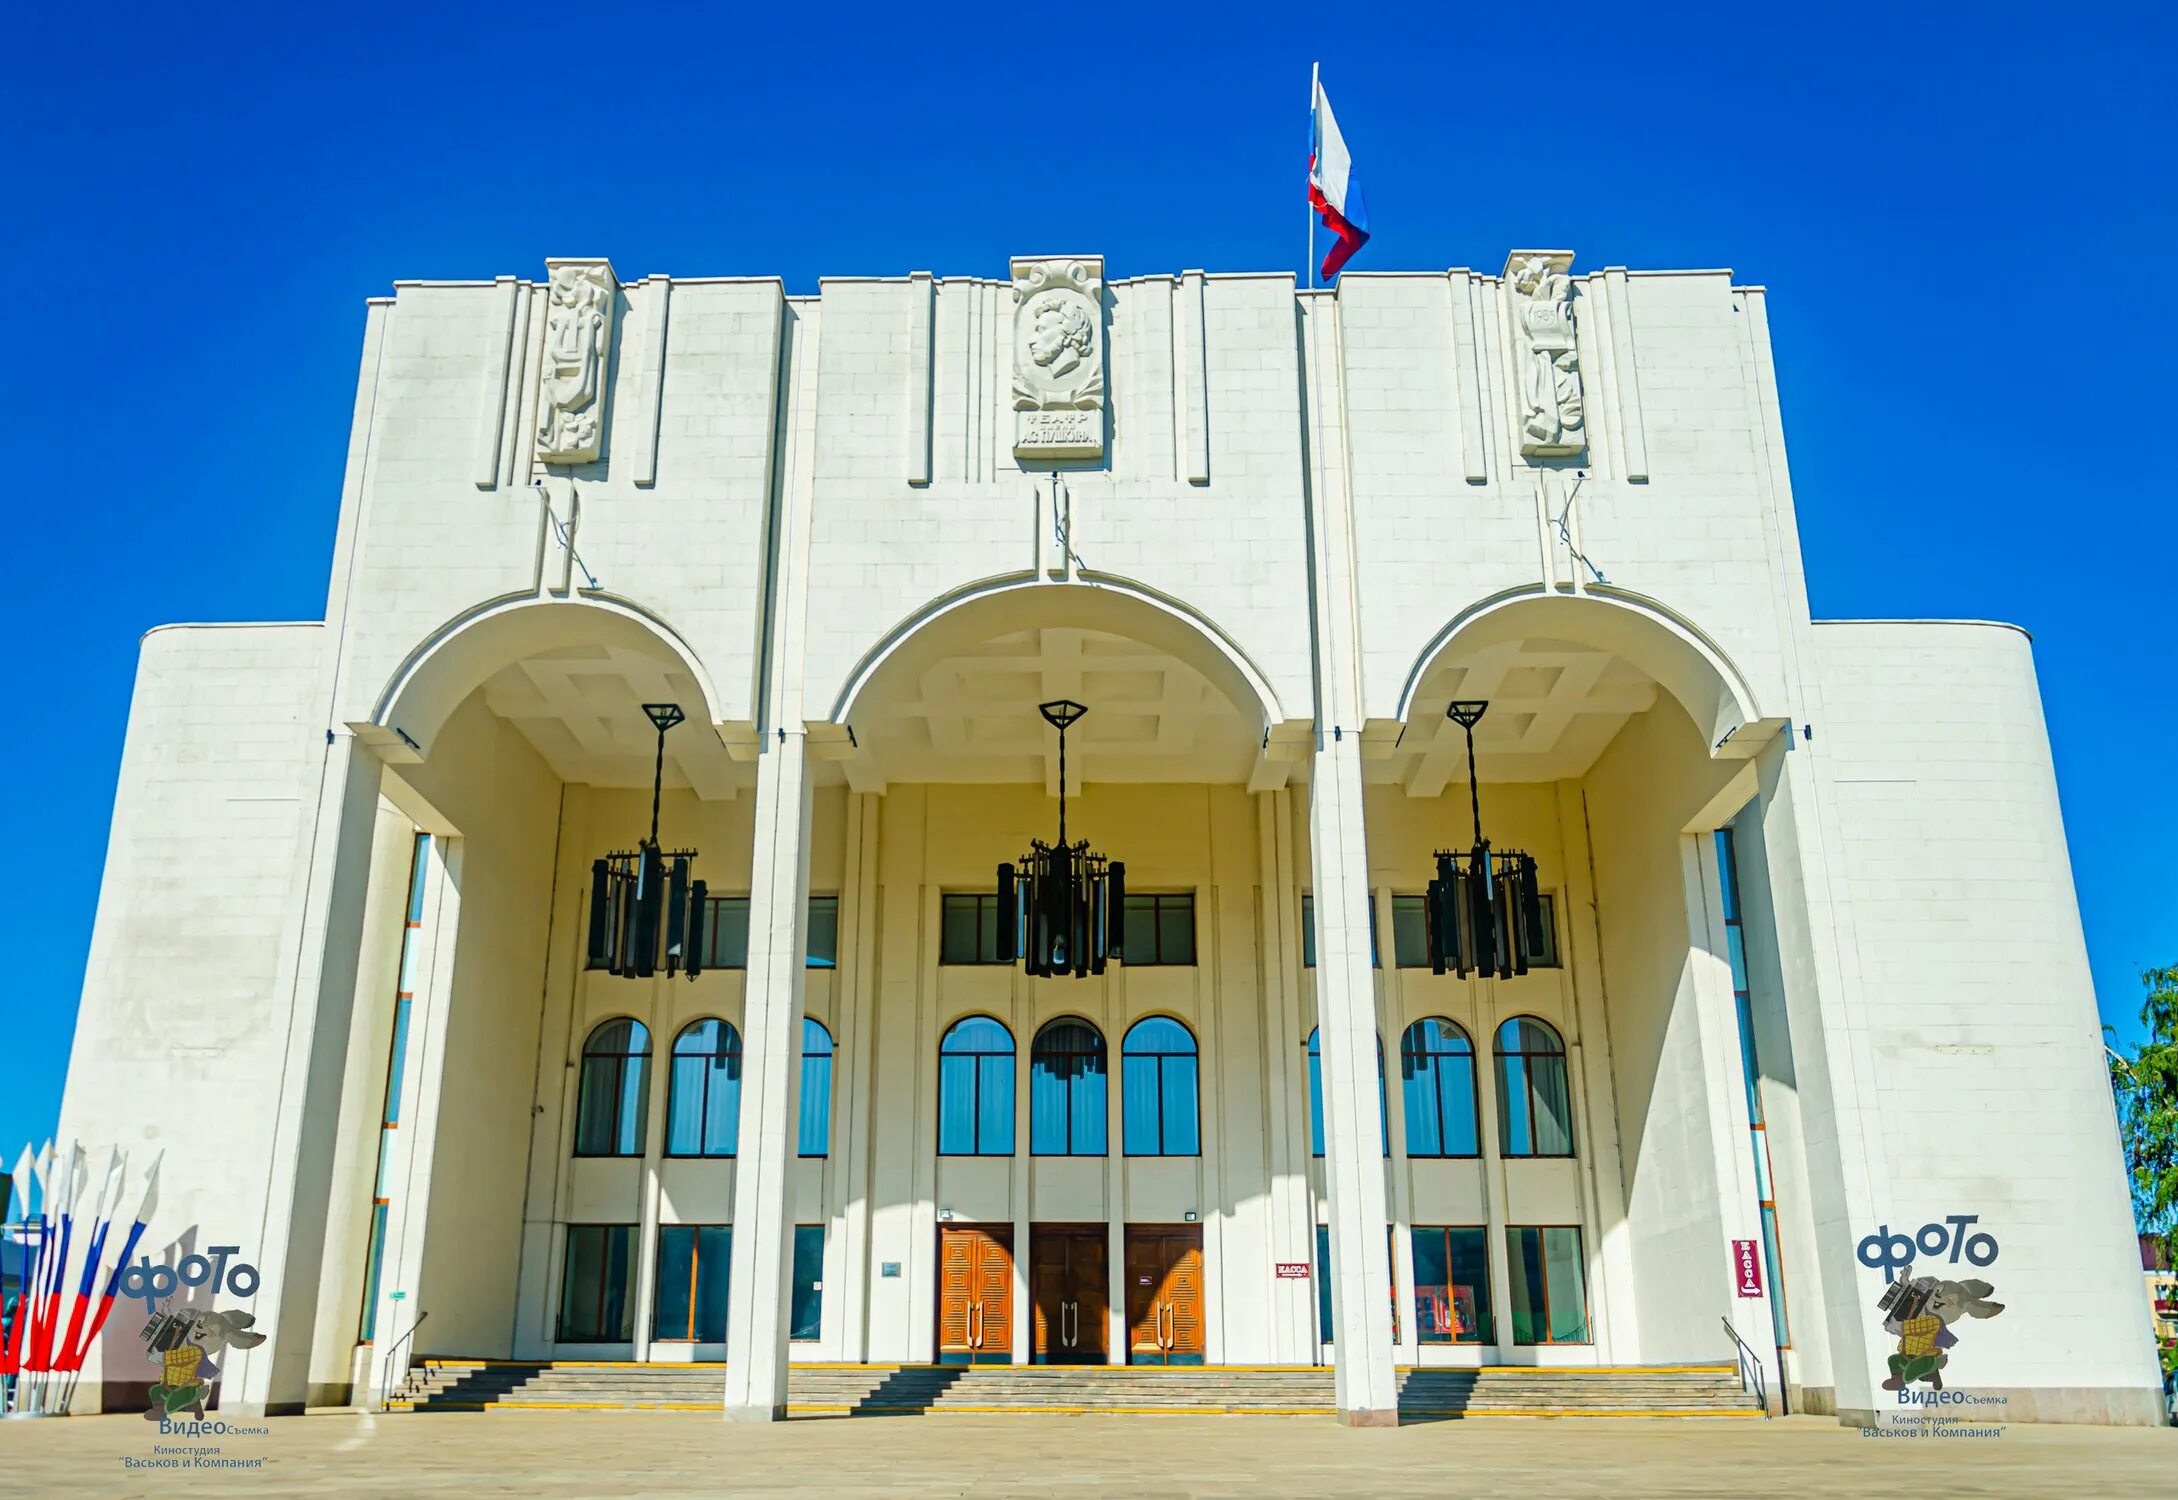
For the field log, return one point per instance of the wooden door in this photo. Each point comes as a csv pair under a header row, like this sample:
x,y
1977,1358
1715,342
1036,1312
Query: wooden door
x,y
1071,1302
975,1294
1165,1295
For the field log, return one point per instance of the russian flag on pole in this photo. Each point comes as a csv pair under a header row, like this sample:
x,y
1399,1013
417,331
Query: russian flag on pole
x,y
1334,188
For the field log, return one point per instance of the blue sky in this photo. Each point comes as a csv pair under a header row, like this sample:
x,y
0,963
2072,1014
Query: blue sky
x,y
1959,213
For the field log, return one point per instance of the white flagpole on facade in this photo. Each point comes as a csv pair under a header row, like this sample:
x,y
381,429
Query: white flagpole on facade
x,y
1314,71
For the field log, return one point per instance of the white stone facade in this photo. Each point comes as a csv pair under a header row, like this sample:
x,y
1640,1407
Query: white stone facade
x,y
1266,534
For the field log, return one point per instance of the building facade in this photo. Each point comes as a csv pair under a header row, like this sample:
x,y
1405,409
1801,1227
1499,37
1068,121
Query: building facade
x,y
1806,968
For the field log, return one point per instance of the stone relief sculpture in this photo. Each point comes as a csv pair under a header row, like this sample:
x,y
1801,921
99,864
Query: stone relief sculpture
x,y
1058,357
1553,419
578,343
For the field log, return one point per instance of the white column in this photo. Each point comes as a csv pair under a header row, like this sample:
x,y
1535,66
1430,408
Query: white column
x,y
1353,1139
757,1318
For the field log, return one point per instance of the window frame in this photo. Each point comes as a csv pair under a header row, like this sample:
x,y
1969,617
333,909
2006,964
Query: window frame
x,y
620,1062
717,954
1498,1056
830,1053
1012,1054
632,1247
986,927
1127,1054
1485,1311
1580,1246
727,1031
1436,1089
695,1279
1158,901
1069,1083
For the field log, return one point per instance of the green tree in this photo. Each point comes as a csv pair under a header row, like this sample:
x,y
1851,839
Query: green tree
x,y
2146,1085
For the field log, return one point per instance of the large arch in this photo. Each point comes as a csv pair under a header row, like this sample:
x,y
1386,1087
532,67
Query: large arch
x,y
1098,602
453,660
1682,658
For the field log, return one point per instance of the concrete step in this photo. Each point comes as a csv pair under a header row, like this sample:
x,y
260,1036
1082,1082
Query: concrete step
x,y
457,1385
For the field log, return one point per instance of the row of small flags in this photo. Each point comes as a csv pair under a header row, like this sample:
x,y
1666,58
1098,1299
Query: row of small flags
x,y
45,1334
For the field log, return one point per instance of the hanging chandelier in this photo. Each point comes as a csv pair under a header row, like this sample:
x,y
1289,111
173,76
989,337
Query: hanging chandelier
x,y
1066,900
1485,915
645,913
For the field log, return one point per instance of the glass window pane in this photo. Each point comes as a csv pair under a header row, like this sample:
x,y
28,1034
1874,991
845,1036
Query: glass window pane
x,y
1515,1129
396,1065
377,1263
1470,1255
418,868
595,1106
823,942
1568,1286
684,1105
1418,1086
1180,1107
1315,1094
672,1308
1138,940
634,1106
957,1106
722,1103
1524,1270
729,948
1456,1103
1553,1114
1138,1093
806,1312
957,942
1410,933
1774,1259
995,1109
815,1135
1436,1323
1049,1104
1089,1107
978,1034
1308,930
1175,929
619,1319
579,1278
714,1274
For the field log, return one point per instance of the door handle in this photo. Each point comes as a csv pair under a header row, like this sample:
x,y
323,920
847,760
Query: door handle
x,y
1164,1338
1066,1327
975,1325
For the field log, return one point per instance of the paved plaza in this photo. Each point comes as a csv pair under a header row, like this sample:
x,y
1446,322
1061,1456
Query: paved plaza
x,y
650,1454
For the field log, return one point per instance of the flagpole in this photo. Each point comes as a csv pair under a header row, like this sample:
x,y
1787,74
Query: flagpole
x,y
1314,70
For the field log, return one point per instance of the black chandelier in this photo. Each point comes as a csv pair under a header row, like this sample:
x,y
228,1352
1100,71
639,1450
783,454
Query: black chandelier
x,y
645,913
1068,901
1484,913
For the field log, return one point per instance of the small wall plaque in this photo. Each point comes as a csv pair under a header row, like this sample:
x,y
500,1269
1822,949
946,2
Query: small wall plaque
x,y
888,1268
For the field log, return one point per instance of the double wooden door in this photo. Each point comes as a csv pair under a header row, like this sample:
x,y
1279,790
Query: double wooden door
x,y
1072,1295
1164,1294
975,1294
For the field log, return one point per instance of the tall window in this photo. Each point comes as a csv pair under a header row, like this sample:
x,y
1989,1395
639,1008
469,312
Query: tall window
x,y
805,1307
1323,1280
1308,933
726,938
1159,1084
404,997
1549,1284
1533,1115
594,1305
975,1089
968,928
1735,934
1159,929
695,1267
1437,1077
1067,1090
612,1100
703,1096
816,1128
1315,1094
1452,1285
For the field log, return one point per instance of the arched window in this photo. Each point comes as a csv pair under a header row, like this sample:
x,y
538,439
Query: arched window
x,y
975,1089
1534,1117
816,1131
1315,1094
612,1102
1067,1090
703,1097
1159,1081
1437,1075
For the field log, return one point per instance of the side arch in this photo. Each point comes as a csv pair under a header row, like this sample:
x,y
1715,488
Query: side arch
x,y
1681,657
455,659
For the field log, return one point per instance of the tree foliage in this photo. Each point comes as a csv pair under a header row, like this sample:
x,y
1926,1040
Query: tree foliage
x,y
2146,1085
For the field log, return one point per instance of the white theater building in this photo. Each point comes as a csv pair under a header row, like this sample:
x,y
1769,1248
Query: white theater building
x,y
1812,964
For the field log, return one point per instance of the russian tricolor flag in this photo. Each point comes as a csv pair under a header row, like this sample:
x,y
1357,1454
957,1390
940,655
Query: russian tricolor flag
x,y
1334,189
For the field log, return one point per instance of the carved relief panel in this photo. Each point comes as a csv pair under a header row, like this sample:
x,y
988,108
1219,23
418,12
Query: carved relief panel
x,y
1546,355
1058,357
578,344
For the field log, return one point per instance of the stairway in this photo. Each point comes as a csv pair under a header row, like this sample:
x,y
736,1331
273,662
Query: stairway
x,y
440,1385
